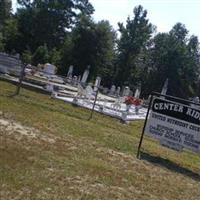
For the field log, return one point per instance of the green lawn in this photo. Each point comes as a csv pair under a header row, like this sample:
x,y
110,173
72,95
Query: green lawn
x,y
65,156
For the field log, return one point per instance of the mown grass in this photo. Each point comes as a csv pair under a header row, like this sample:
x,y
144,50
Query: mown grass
x,y
93,159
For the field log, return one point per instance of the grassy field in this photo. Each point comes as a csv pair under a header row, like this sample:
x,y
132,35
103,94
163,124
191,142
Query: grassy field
x,y
49,150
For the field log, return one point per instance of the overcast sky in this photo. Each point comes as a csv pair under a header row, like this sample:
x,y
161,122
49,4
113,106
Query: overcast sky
x,y
162,13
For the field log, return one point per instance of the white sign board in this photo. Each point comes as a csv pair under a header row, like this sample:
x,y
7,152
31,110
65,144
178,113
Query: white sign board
x,y
174,124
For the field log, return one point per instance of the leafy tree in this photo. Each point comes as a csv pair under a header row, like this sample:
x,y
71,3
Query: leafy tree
x,y
66,55
45,22
105,52
5,11
175,56
26,57
41,55
84,44
1,42
91,44
5,14
11,35
134,38
55,57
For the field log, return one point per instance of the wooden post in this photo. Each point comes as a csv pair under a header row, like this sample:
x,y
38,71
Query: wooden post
x,y
20,80
91,114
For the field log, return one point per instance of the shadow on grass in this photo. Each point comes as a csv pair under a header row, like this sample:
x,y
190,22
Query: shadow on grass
x,y
170,165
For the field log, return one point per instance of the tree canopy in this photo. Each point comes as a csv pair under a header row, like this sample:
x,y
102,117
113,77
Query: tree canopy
x,y
134,38
64,33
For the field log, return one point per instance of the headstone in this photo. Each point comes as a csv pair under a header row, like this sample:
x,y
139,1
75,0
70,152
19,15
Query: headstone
x,y
81,91
85,75
49,87
118,103
49,69
74,80
75,101
124,116
137,93
112,90
17,55
126,91
54,94
89,90
105,90
97,82
79,78
137,110
128,106
196,101
70,71
118,91
165,87
88,93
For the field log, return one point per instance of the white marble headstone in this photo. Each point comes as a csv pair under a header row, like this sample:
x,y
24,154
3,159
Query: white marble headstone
x,y
137,93
112,90
126,91
118,91
97,83
165,87
85,76
70,71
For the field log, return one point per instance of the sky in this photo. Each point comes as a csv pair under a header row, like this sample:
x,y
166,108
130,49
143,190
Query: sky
x,y
162,13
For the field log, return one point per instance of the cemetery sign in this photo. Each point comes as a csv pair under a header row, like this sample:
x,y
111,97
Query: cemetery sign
x,y
174,123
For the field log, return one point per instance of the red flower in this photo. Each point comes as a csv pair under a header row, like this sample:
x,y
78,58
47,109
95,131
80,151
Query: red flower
x,y
132,100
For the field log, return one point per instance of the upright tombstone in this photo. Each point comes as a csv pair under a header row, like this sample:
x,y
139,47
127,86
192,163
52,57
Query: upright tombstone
x,y
88,94
97,83
137,93
137,96
79,78
126,91
85,75
70,71
118,91
105,90
112,90
49,69
196,100
49,87
89,91
165,87
74,80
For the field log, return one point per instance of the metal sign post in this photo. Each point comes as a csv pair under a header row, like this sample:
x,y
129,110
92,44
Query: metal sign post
x,y
91,114
142,135
20,80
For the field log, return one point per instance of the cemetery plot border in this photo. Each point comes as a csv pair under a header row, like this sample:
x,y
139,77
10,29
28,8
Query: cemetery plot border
x,y
175,122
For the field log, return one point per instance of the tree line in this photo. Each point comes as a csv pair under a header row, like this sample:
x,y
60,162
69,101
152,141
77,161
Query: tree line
x,y
64,33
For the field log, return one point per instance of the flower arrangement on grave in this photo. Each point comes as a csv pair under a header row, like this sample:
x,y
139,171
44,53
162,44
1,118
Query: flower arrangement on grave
x,y
129,100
